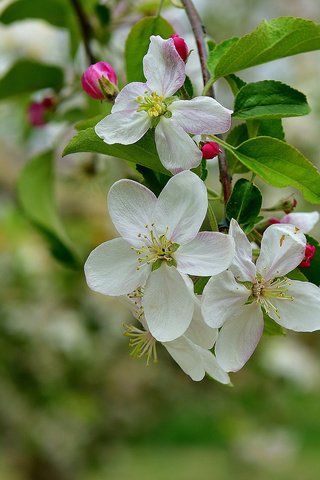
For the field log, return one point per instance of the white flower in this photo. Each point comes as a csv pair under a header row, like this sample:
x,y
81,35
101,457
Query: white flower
x,y
160,233
140,106
305,221
191,351
235,300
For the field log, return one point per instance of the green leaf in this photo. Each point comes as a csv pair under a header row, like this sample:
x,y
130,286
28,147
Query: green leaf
x,y
245,203
280,37
271,128
200,284
138,41
28,76
297,274
271,327
36,196
52,11
219,51
211,217
269,99
279,164
89,122
142,153
312,273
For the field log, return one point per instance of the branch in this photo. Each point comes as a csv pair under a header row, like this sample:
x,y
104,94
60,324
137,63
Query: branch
x,y
85,28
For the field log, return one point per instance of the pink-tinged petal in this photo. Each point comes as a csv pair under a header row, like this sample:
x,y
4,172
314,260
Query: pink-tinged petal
x,y
181,207
163,67
209,253
168,304
131,207
282,250
242,266
239,338
127,97
201,115
303,220
302,313
111,269
222,299
177,151
125,127
199,332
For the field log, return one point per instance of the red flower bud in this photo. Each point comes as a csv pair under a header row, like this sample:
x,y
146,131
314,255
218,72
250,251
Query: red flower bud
x,y
308,256
181,46
289,205
273,221
210,150
37,111
99,81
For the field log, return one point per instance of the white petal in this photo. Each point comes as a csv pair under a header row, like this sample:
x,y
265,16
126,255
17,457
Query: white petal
x,y
182,207
303,220
131,207
282,250
302,314
125,127
127,97
201,115
187,356
168,304
177,151
222,299
212,367
239,338
111,269
163,67
242,266
199,332
209,253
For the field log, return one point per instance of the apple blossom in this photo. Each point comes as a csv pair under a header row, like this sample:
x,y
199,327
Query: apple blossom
x,y
37,111
181,46
140,106
305,221
160,242
210,150
309,253
99,81
236,300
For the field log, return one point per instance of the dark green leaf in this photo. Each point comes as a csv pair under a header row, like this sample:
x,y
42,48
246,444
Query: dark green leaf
x,y
138,41
28,76
236,136
245,203
297,274
52,11
200,284
312,273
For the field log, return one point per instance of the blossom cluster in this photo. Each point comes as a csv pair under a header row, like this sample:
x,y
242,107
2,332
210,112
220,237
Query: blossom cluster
x,y
153,266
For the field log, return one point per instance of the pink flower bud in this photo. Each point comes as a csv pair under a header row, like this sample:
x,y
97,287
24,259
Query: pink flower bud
x,y
37,111
308,256
181,46
273,221
210,150
99,81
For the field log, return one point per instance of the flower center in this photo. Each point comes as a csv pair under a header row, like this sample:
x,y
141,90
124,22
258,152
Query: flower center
x,y
155,249
264,291
142,343
152,103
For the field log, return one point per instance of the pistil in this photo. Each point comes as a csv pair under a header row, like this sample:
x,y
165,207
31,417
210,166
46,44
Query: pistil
x,y
152,103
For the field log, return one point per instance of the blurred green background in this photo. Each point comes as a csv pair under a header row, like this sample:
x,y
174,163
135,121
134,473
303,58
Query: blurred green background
x,y
73,404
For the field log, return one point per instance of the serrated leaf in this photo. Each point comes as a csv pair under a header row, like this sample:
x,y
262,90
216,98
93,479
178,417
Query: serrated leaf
x,y
269,99
245,203
280,37
138,41
28,76
312,273
36,196
142,153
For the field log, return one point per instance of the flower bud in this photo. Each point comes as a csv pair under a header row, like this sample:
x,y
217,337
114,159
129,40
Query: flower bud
x,y
210,150
308,256
100,81
287,205
181,46
37,112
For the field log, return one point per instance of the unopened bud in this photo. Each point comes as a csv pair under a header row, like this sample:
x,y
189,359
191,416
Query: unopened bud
x,y
308,256
100,81
287,205
210,150
37,111
181,46
273,221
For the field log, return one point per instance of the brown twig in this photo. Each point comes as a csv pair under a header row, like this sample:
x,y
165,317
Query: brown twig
x,y
85,29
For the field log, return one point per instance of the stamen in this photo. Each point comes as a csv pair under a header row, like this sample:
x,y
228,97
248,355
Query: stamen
x,y
155,248
265,291
152,103
142,343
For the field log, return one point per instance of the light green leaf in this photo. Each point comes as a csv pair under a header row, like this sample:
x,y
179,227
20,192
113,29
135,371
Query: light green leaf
x,y
297,274
219,51
280,37
268,100
138,41
142,153
211,217
245,203
271,327
36,196
52,11
28,76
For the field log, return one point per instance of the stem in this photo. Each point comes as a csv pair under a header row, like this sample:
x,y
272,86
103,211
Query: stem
x,y
85,28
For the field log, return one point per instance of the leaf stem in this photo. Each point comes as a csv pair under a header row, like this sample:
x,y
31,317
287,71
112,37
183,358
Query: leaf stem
x,y
86,30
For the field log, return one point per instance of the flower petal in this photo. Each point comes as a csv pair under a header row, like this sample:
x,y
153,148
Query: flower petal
x,y
239,338
131,207
303,220
177,151
302,314
242,266
182,207
168,304
282,250
163,67
127,97
201,115
187,356
111,269
125,127
199,332
213,368
209,253
222,299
